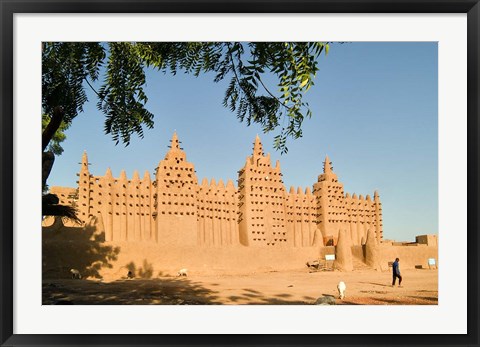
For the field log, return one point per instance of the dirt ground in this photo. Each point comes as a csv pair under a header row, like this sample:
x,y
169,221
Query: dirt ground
x,y
294,287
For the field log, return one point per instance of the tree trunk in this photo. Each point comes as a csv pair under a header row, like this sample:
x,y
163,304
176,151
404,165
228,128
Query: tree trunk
x,y
48,157
52,127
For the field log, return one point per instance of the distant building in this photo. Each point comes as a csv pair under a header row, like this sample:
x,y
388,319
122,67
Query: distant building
x,y
429,240
174,209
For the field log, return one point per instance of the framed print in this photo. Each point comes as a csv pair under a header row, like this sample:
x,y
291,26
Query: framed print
x,y
244,173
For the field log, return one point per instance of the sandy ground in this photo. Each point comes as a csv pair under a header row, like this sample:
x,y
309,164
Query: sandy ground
x,y
364,287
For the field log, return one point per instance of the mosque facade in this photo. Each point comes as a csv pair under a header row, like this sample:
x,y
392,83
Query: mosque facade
x,y
174,208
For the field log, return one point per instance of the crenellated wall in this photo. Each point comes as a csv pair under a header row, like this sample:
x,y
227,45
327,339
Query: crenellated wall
x,y
124,205
174,209
302,220
217,214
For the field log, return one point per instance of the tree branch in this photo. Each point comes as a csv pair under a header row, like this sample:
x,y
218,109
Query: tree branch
x,y
234,68
91,87
260,80
273,96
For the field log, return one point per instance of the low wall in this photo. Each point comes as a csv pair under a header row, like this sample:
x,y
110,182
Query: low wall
x,y
411,256
326,250
85,249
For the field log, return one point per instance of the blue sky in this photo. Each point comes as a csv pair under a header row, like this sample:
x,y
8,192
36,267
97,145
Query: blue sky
x,y
375,113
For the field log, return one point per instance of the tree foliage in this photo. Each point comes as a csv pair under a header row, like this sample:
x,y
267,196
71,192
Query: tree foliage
x,y
68,68
65,68
71,67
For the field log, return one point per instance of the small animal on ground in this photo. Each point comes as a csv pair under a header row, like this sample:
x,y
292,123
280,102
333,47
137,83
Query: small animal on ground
x,y
182,272
341,289
76,274
130,274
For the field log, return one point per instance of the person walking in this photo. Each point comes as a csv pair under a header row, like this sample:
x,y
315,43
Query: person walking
x,y
396,273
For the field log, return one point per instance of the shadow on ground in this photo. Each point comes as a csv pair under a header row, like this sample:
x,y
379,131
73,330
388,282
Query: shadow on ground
x,y
377,284
160,291
253,297
156,291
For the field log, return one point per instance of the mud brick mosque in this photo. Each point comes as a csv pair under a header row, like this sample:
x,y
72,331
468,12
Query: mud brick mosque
x,y
173,221
175,209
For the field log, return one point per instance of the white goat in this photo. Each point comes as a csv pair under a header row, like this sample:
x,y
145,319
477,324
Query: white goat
x,y
341,289
182,272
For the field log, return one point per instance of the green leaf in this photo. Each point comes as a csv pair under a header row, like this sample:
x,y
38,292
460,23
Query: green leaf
x,y
304,82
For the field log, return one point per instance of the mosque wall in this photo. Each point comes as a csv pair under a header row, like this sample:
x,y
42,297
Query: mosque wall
x,y
175,209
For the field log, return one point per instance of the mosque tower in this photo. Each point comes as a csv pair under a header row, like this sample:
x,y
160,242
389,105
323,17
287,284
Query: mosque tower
x,y
261,201
331,212
174,200
84,189
378,217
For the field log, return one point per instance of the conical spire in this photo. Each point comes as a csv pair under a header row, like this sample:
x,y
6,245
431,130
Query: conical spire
x,y
269,161
174,141
230,184
175,151
257,147
146,176
327,165
84,158
136,176
108,173
84,163
123,176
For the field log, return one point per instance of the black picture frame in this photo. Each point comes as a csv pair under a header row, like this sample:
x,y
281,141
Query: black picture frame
x,y
9,7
